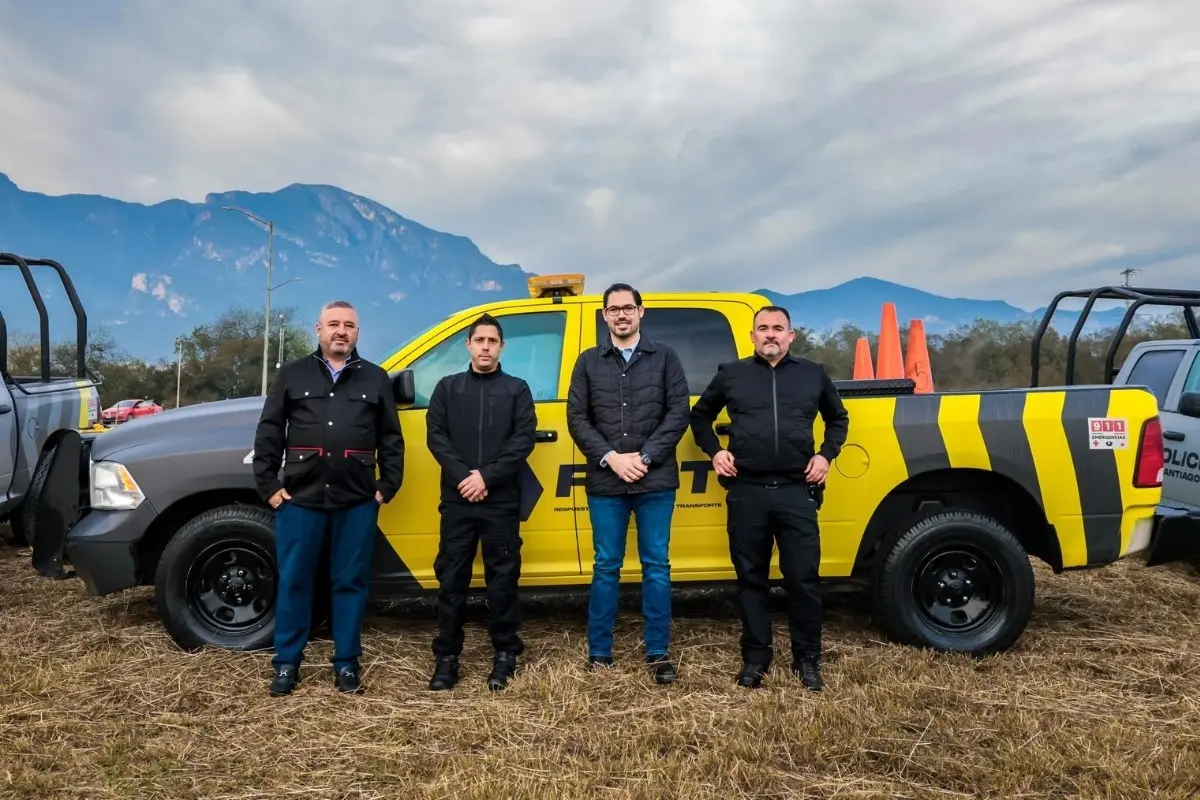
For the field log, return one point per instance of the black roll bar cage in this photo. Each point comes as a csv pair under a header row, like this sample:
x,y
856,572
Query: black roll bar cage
x,y
24,264
1187,299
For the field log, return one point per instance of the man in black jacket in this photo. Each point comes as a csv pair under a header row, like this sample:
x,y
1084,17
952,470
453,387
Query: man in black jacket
x,y
775,476
626,411
481,425
330,419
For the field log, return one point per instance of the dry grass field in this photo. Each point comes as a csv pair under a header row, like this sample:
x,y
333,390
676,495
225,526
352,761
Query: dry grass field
x,y
1100,699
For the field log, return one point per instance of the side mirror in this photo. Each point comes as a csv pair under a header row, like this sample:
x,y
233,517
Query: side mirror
x,y
1189,404
404,387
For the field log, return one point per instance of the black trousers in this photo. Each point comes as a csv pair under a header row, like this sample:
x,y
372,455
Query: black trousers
x,y
464,525
758,517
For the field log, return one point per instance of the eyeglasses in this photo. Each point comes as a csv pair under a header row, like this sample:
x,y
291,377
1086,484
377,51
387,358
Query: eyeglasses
x,y
628,311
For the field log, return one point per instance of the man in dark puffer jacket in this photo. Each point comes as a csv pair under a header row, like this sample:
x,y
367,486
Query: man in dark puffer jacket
x,y
627,410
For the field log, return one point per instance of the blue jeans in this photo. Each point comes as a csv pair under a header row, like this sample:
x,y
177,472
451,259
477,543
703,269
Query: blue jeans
x,y
610,525
300,535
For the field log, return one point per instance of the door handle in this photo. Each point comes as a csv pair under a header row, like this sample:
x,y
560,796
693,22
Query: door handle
x,y
1174,436
723,429
5,408
545,436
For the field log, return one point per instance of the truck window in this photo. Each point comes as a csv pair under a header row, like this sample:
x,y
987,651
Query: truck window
x,y
1155,369
533,345
701,336
1192,382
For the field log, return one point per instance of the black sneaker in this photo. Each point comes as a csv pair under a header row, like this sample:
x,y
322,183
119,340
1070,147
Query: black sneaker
x,y
751,675
504,666
286,678
599,662
809,673
445,675
346,680
662,669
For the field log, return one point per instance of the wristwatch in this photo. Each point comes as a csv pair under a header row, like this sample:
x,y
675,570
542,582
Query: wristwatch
x,y
646,459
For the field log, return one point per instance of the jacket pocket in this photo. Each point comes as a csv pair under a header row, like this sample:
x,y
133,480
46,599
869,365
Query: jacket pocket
x,y
359,470
301,455
298,464
365,458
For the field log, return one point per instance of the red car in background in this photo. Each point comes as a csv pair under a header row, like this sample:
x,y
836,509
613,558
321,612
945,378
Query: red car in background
x,y
127,410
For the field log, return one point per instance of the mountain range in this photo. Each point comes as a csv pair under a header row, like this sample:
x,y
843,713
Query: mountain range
x,y
148,273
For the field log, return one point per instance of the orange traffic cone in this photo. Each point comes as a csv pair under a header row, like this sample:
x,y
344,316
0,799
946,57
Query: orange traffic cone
x,y
891,360
863,369
916,363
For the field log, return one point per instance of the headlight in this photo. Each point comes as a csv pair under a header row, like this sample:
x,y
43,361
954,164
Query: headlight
x,y
113,487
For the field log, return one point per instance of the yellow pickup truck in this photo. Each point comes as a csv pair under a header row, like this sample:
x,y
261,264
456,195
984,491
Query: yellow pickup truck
x,y
935,504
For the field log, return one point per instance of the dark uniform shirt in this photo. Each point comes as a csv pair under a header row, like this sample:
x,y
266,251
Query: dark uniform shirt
x,y
771,413
329,435
484,421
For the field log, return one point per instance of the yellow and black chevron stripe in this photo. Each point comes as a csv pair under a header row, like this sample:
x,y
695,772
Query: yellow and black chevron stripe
x,y
1039,438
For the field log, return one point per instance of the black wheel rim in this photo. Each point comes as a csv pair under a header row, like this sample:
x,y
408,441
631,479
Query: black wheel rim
x,y
231,586
958,588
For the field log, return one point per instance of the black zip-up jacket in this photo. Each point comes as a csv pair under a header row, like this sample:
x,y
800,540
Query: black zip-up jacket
x,y
329,437
771,413
640,406
484,421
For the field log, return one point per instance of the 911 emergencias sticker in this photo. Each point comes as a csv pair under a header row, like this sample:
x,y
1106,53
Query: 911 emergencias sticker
x,y
1107,433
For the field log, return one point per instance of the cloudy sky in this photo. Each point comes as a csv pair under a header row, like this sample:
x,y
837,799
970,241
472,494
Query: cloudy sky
x,y
1000,150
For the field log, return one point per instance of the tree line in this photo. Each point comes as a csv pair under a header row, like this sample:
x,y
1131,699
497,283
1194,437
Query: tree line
x,y
219,360
995,355
223,359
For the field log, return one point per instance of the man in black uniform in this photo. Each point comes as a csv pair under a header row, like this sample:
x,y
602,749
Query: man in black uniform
x,y
481,425
330,419
774,480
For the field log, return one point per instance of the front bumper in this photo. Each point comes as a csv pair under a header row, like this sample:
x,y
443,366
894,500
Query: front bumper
x,y
103,548
1176,534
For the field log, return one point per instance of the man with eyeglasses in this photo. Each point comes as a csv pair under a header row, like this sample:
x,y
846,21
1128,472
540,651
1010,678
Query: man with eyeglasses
x,y
627,410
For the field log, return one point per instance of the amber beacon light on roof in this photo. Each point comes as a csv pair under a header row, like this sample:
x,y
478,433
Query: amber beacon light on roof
x,y
561,285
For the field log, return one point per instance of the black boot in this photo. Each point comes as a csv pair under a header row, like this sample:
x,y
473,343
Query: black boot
x,y
662,669
504,666
808,671
286,678
445,675
599,662
752,675
346,680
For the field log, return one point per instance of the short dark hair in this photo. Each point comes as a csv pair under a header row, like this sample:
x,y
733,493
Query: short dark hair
x,y
332,304
485,319
779,309
623,287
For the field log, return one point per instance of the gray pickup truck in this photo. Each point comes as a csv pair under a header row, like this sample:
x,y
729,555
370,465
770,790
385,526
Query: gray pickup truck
x,y
36,409
1170,369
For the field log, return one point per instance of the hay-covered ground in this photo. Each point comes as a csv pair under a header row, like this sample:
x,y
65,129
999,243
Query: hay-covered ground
x,y
1101,698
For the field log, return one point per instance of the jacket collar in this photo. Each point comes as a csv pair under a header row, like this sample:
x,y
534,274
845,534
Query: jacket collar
x,y
788,358
644,345
351,358
485,376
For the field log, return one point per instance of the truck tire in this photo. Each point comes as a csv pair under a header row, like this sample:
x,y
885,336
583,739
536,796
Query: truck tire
x,y
22,521
216,580
957,581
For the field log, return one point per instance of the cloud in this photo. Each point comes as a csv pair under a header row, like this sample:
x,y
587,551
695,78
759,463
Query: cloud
x,y
999,150
159,291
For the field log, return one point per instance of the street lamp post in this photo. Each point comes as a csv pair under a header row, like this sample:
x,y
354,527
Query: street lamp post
x,y
270,226
279,355
178,368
